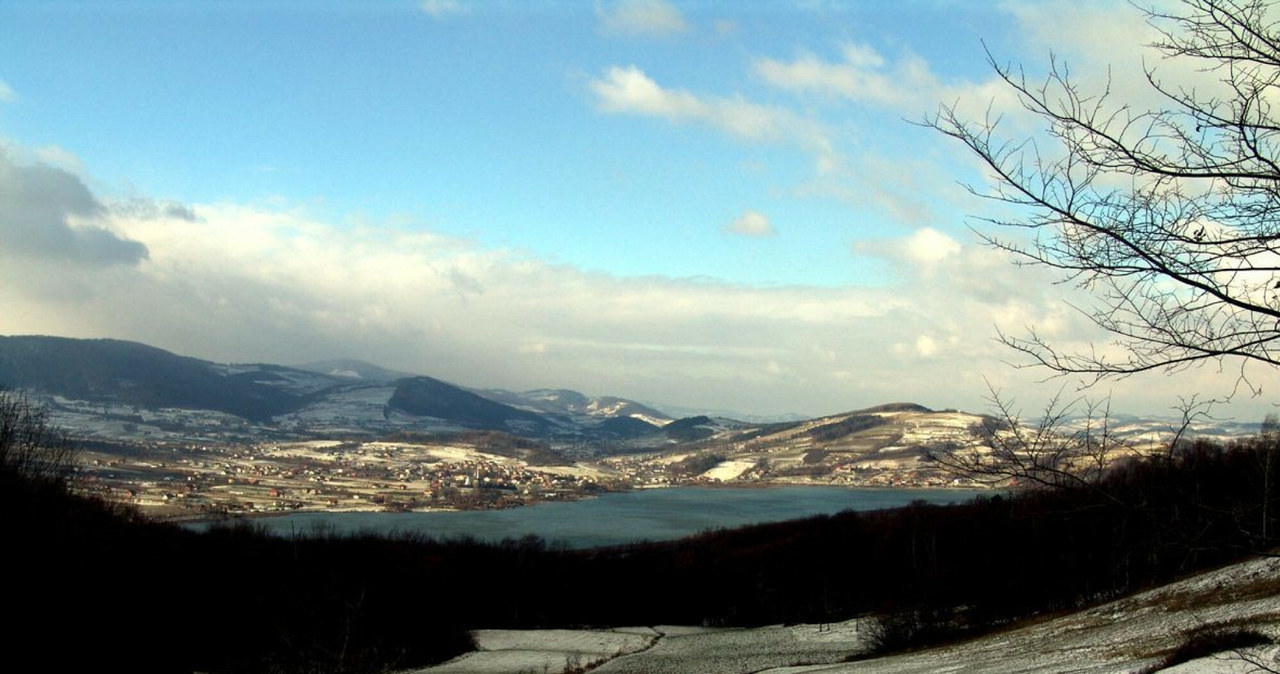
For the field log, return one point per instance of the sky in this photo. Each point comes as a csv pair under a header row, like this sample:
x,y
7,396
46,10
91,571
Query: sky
x,y
699,205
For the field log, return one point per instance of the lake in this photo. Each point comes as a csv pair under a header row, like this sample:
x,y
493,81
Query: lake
x,y
625,517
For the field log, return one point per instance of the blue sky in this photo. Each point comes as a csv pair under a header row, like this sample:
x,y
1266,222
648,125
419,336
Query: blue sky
x,y
700,204
481,123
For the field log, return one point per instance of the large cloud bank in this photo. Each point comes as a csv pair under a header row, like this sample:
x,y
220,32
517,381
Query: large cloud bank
x,y
236,282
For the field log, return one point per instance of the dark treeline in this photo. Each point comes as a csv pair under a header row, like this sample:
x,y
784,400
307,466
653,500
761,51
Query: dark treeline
x,y
95,584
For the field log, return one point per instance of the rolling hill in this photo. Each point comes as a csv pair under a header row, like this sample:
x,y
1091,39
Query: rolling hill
x,y
114,389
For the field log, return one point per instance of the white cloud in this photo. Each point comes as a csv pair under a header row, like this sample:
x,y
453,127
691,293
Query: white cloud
x,y
905,187
928,245
59,157
238,283
751,223
652,18
924,249
628,90
860,77
864,76
241,283
47,213
532,348
926,346
7,94
1105,45
441,9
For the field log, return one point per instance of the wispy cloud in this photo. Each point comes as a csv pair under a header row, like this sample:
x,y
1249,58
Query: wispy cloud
x,y
7,94
649,18
628,90
864,76
441,9
60,157
751,223
828,96
723,27
1105,44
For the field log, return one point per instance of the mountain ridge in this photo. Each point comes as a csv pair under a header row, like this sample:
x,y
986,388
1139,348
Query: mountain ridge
x,y
341,395
117,389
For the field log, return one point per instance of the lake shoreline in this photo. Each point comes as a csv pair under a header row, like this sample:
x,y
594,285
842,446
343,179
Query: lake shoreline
x,y
613,518
224,518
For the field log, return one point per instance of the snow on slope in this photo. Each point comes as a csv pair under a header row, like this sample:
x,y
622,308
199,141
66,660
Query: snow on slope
x,y
729,470
546,650
1126,635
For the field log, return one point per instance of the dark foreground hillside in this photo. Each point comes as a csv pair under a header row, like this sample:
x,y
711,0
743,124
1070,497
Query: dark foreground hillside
x,y
95,585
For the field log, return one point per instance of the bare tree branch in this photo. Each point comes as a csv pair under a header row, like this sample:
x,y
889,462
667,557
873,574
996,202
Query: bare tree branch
x,y
1048,452
1169,218
29,445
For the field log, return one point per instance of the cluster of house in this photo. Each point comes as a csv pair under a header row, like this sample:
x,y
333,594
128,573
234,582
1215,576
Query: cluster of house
x,y
263,479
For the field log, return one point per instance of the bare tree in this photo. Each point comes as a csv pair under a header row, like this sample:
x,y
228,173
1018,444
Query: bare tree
x,y
1070,446
1265,452
1169,217
29,444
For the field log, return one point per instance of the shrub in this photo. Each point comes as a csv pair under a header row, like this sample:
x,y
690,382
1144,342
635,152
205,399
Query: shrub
x,y
1209,640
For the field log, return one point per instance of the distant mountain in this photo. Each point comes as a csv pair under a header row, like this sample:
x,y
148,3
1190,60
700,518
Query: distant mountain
x,y
624,428
574,404
81,378
136,374
680,412
355,370
690,429
344,396
114,389
427,397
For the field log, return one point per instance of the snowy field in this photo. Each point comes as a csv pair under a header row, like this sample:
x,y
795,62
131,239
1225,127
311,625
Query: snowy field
x,y
1128,635
513,651
729,470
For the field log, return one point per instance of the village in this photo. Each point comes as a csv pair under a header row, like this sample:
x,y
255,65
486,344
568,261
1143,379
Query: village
x,y
196,481
207,481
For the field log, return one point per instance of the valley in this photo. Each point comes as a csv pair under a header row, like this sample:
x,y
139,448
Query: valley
x,y
487,469
185,438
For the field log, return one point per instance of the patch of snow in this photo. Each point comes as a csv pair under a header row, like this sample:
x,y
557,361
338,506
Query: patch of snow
x,y
544,650
650,420
729,470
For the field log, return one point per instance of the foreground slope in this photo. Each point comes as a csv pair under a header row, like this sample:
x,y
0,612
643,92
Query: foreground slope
x,y
1128,635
